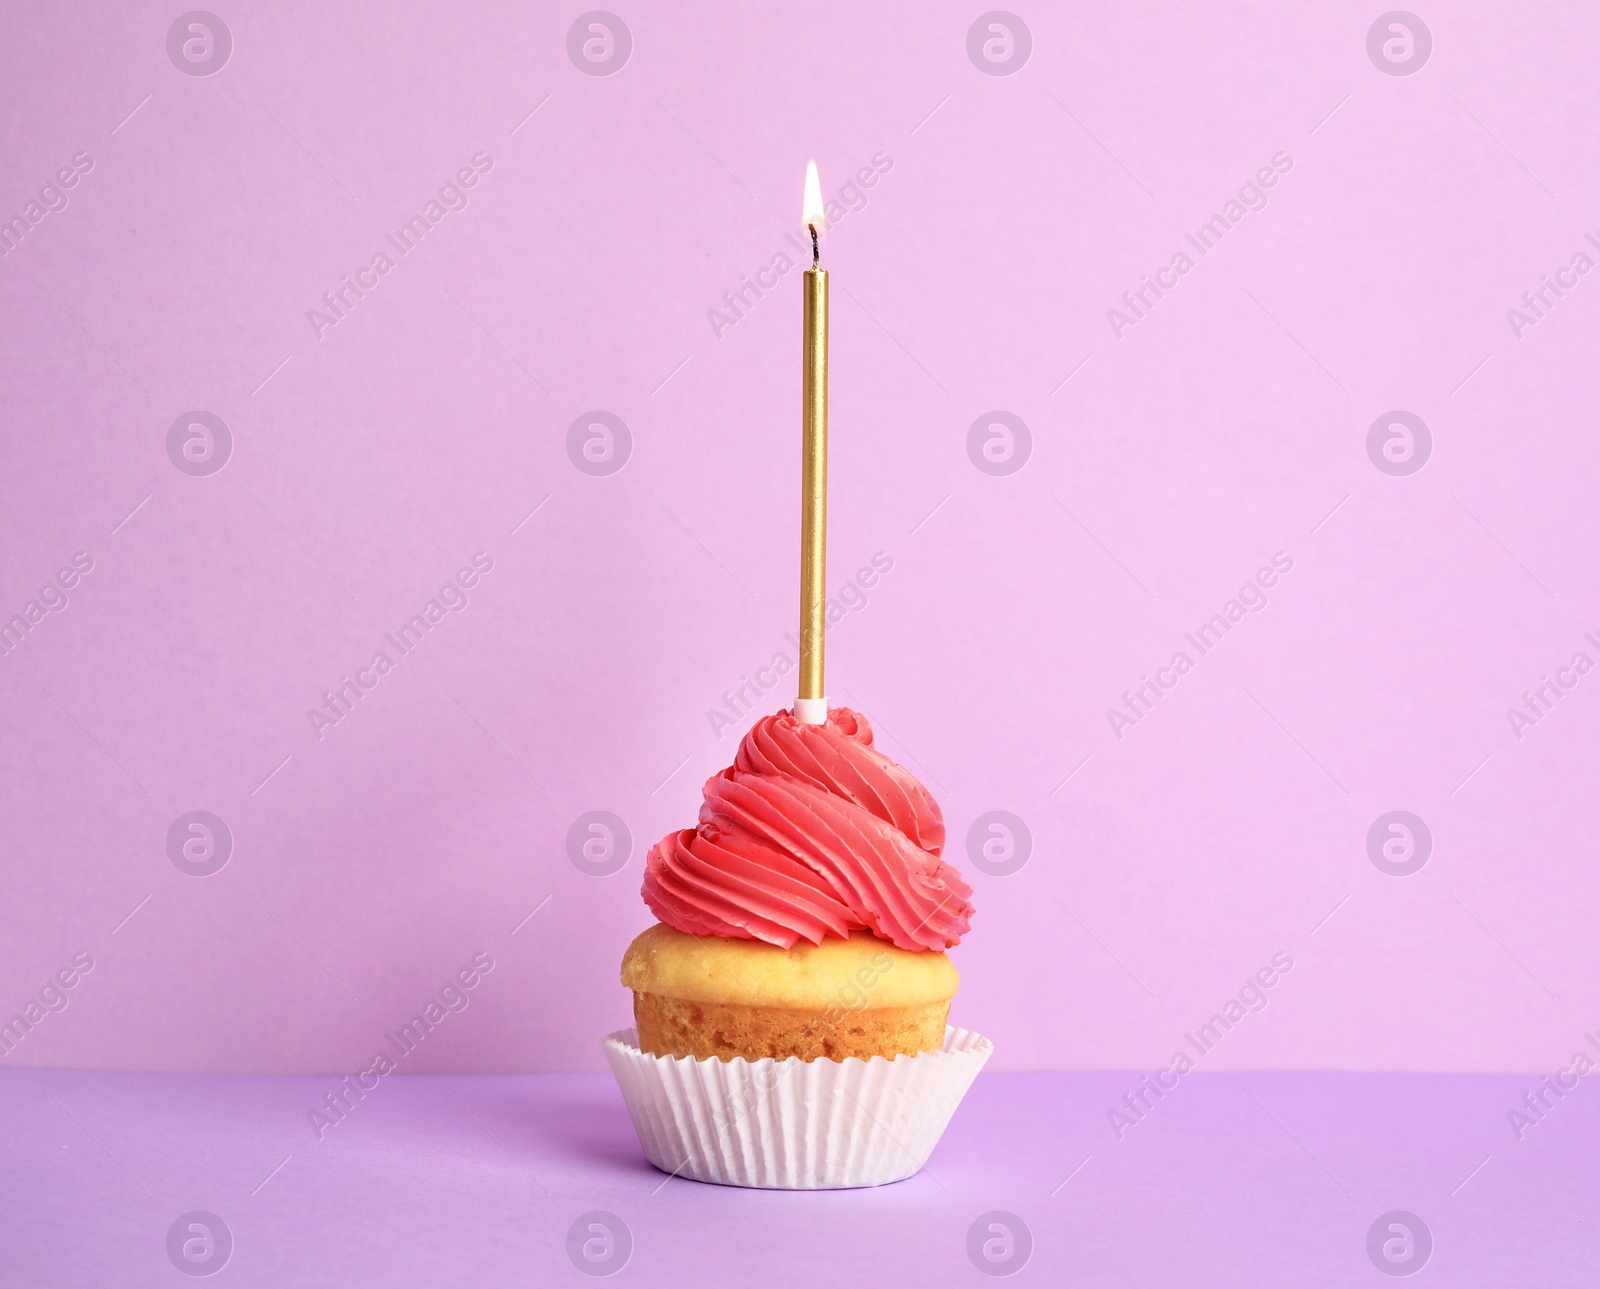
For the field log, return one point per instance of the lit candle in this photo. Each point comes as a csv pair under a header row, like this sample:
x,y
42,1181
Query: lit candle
x,y
811,707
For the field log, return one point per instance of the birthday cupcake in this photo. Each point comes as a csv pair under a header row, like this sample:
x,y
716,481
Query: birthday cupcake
x,y
791,1005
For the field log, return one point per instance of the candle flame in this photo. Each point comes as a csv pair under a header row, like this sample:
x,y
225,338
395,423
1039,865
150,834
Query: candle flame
x,y
811,207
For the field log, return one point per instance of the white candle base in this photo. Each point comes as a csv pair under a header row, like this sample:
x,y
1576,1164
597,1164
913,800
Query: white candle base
x,y
811,711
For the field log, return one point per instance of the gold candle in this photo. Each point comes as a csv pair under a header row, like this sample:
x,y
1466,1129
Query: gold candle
x,y
812,705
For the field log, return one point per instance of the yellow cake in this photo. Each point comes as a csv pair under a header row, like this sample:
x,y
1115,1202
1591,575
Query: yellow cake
x,y
713,996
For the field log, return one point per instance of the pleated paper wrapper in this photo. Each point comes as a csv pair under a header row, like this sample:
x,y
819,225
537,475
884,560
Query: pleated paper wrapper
x,y
793,1124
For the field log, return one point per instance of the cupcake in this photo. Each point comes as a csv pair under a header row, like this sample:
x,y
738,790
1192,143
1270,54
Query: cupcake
x,y
791,1004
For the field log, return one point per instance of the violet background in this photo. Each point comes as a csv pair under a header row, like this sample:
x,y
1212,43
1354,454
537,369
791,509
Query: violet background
x,y
1166,466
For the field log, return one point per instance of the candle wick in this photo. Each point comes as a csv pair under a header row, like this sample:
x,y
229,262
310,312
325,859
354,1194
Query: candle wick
x,y
816,251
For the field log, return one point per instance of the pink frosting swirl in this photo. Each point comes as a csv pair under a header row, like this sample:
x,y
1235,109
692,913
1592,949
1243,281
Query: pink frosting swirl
x,y
811,832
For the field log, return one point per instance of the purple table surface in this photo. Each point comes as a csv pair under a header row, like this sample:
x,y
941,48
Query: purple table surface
x,y
1230,1179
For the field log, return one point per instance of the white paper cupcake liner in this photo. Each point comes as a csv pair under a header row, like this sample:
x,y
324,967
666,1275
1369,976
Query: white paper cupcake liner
x,y
793,1124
